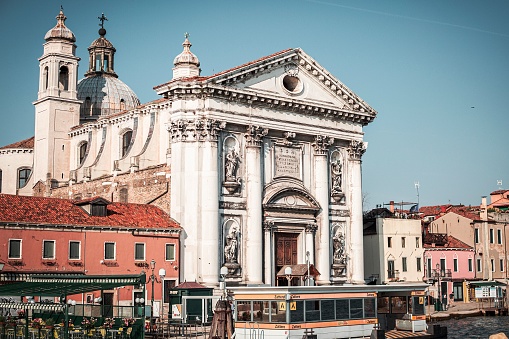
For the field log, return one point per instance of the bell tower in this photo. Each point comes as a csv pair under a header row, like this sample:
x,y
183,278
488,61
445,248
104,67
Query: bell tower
x,y
57,107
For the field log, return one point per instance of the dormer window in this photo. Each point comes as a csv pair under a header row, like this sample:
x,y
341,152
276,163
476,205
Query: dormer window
x,y
98,210
96,207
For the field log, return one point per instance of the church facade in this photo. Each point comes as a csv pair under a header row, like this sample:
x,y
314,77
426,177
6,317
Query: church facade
x,y
259,164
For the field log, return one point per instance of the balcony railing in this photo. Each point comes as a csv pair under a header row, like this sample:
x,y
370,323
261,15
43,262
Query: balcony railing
x,y
439,274
393,275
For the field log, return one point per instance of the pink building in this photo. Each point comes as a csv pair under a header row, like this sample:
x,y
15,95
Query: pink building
x,y
90,237
450,263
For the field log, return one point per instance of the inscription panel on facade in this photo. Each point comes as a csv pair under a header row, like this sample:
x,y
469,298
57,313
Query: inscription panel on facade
x,y
287,161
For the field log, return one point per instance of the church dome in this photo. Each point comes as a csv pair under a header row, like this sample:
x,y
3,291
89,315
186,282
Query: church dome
x,y
60,31
104,95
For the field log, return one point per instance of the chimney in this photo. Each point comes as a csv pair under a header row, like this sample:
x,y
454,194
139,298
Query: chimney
x,y
484,210
392,206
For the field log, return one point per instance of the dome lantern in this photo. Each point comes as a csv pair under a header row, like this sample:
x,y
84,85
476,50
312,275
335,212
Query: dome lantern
x,y
186,63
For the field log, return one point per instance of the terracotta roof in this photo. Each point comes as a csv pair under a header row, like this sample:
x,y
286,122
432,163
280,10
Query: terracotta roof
x,y
452,242
467,212
190,285
433,210
498,192
52,211
27,143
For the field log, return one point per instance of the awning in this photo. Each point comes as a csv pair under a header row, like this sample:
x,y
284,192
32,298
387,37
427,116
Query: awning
x,y
299,270
486,283
58,285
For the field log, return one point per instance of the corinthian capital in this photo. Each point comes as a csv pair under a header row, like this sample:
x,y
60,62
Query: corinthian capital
x,y
255,134
311,227
321,144
356,149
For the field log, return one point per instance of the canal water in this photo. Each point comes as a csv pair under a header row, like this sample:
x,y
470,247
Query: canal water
x,y
476,327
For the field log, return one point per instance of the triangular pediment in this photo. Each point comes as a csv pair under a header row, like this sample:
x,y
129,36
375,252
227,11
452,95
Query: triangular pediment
x,y
292,75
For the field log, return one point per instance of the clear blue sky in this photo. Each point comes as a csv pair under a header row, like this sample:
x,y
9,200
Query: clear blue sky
x,y
436,71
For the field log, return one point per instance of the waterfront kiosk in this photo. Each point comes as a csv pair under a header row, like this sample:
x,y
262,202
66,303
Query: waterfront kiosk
x,y
326,311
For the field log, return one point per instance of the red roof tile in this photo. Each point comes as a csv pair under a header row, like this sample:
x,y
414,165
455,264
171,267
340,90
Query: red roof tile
x,y
27,143
452,243
52,211
190,285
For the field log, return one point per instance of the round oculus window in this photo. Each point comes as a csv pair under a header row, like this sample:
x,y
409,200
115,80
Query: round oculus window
x,y
292,84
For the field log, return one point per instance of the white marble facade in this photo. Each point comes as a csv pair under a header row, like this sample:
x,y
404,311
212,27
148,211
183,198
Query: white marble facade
x,y
260,154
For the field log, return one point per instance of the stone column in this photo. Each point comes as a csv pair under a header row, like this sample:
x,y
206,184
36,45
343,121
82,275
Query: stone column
x,y
323,252
207,131
310,243
356,257
268,250
253,240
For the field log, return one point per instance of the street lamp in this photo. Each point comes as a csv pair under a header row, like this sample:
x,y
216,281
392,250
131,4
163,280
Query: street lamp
x,y
139,302
438,282
288,274
222,273
152,278
162,274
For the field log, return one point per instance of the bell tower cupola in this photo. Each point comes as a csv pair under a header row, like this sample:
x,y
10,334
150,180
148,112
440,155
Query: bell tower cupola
x,y
186,63
101,54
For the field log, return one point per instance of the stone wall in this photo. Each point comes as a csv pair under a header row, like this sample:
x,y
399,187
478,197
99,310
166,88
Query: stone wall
x,y
148,186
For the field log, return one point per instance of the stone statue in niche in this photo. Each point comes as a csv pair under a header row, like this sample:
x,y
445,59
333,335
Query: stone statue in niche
x,y
231,182
231,247
338,240
336,169
232,159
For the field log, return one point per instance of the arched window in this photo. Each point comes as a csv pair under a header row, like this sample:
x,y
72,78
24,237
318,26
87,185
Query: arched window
x,y
126,141
82,152
63,78
23,176
122,104
45,75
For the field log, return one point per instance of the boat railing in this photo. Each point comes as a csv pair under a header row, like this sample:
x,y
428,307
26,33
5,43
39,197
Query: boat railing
x,y
254,330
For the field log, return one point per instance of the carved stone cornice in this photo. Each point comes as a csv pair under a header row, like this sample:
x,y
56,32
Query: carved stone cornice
x,y
321,144
254,135
195,129
311,227
356,149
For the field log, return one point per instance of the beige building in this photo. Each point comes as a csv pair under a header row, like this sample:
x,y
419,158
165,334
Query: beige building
x,y
260,164
392,248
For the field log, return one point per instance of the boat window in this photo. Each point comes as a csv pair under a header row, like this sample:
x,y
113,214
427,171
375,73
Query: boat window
x,y
356,309
243,311
297,312
312,310
383,305
278,315
398,304
342,309
369,308
327,309
257,310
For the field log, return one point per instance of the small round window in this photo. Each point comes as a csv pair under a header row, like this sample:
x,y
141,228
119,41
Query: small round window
x,y
292,84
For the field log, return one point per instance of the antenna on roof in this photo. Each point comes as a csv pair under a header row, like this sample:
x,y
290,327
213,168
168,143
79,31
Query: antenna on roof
x,y
416,184
499,184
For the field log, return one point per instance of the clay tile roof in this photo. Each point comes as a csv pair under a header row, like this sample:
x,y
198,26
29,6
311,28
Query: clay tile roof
x,y
190,285
52,211
27,143
452,243
498,192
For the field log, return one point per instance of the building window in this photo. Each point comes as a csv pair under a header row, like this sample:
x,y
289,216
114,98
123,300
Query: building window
x,y
98,210
139,251
492,236
429,268
389,242
109,250
82,152
391,272
23,176
14,248
501,262
170,252
48,249
74,250
470,265
123,195
499,237
403,262
476,236
492,264
455,264
419,265
478,263
63,79
417,242
126,141
403,242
